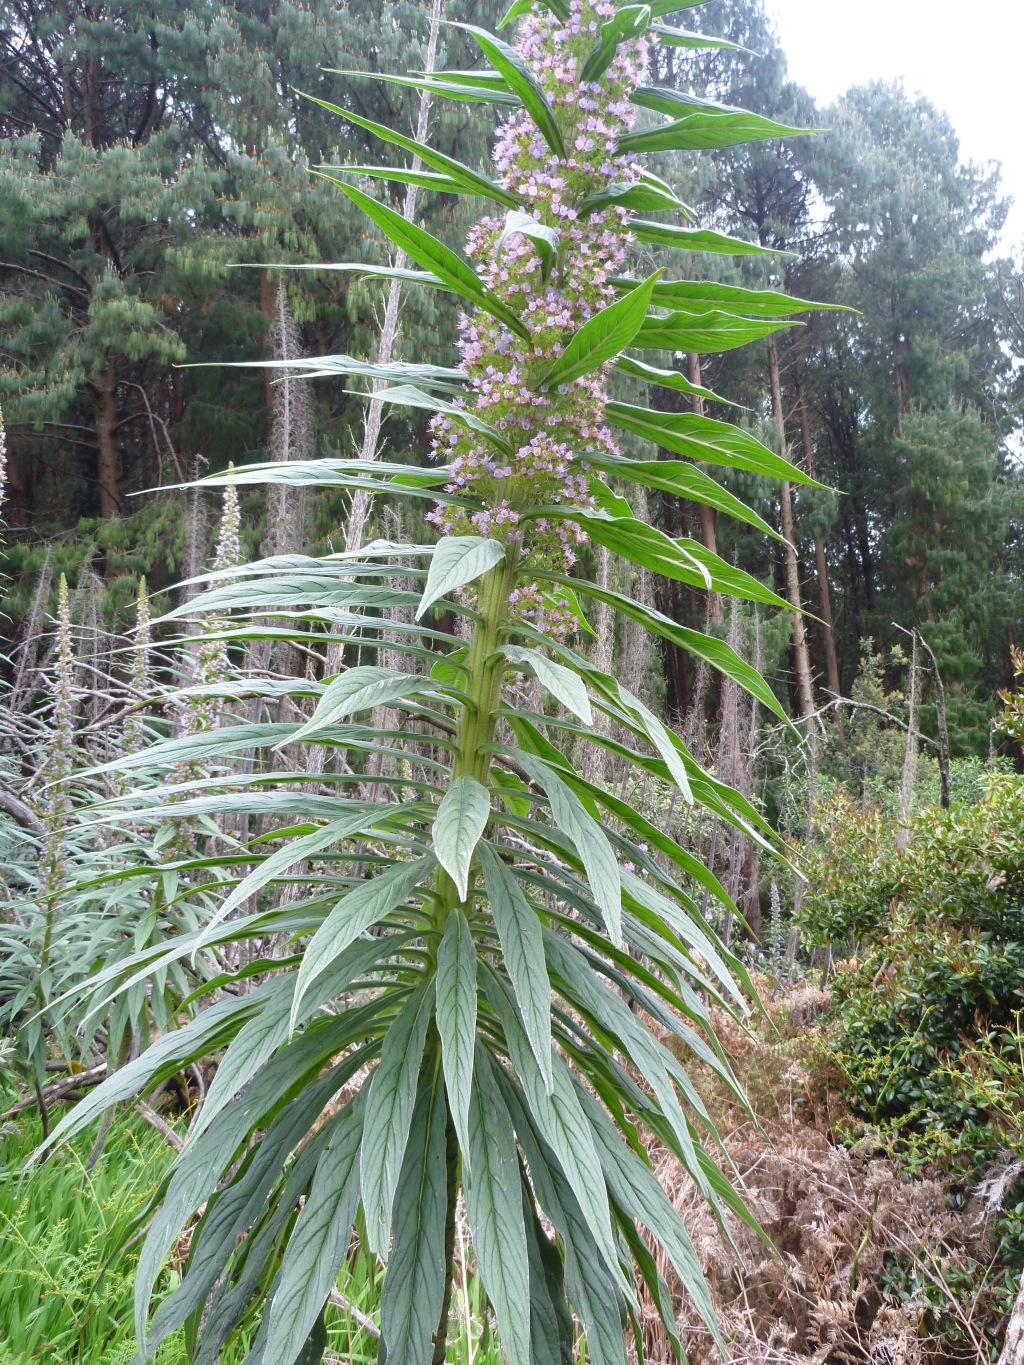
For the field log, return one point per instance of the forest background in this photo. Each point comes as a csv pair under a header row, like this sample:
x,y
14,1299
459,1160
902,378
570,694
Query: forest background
x,y
131,187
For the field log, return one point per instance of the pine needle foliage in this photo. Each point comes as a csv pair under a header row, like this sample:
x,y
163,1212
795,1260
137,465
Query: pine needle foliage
x,y
474,933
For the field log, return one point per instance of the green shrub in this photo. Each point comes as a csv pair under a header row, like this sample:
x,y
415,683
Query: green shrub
x,y
926,1023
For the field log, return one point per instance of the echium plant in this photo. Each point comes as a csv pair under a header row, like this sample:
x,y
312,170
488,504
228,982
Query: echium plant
x,y
477,960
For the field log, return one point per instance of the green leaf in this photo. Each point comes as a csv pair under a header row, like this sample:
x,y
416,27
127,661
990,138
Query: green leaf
x,y
451,85
608,332
295,851
520,78
684,480
471,182
646,196
545,239
638,1192
702,438
702,125
368,904
522,947
389,1111
456,1017
660,738
551,1325
458,560
319,1243
590,840
563,684
704,332
425,180
433,255
683,37
629,22
408,396
666,379
687,561
519,7
361,689
715,652
414,1286
700,296
696,239
461,819
494,1206
561,1123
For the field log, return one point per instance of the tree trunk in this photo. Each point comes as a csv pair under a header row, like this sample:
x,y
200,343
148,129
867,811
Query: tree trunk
x,y
940,706
824,597
803,663
707,514
109,467
360,509
1013,1344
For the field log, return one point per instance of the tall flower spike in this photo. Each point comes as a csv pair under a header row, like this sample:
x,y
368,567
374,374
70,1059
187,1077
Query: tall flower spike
x,y
3,462
550,433
212,658
61,757
140,668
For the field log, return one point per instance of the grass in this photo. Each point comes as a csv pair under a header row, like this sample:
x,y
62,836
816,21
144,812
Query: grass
x,y
66,1300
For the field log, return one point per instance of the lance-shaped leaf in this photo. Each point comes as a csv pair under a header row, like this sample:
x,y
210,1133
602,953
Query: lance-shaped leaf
x,y
544,238
685,481
687,561
705,332
319,1244
408,396
700,296
368,904
568,687
433,255
589,838
666,379
698,124
519,77
522,947
495,1209
628,23
607,333
424,180
461,820
414,1286
295,851
561,1123
456,1017
389,1110
458,560
551,1325
696,239
646,196
470,180
702,438
453,85
718,653
361,689
684,37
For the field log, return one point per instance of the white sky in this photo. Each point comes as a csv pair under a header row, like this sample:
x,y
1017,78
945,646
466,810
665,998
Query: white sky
x,y
967,58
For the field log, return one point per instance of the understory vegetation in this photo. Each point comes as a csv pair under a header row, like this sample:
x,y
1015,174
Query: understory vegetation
x,y
511,749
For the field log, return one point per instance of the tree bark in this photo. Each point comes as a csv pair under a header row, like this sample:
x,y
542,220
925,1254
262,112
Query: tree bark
x,y
824,596
803,664
1013,1344
109,466
940,706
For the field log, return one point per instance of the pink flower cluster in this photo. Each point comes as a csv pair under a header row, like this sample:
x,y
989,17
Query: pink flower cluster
x,y
549,433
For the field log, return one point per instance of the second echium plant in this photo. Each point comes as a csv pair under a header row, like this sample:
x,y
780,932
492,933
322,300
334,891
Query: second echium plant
x,y
483,951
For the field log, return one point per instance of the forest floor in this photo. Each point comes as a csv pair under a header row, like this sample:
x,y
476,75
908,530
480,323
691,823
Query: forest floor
x,y
870,1263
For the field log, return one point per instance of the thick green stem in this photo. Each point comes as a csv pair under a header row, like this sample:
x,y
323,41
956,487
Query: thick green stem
x,y
483,691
